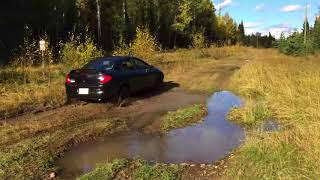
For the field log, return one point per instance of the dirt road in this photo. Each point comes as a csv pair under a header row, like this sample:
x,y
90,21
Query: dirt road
x,y
69,123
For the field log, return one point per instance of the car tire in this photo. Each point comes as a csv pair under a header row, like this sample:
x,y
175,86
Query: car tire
x,y
158,82
70,101
123,96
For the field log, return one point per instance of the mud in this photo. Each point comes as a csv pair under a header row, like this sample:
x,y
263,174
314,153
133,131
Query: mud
x,y
204,143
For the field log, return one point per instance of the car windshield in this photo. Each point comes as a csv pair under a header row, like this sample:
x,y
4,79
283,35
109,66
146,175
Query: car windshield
x,y
98,65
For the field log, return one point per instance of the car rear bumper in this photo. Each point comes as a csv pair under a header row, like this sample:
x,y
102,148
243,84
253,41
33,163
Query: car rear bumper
x,y
95,92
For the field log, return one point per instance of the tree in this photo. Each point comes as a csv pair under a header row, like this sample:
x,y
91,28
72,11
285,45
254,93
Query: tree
x,y
316,33
182,19
231,30
241,34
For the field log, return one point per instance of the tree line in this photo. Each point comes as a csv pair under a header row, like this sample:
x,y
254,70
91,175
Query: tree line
x,y
173,23
302,43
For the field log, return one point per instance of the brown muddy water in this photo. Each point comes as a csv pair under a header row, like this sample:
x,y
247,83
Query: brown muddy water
x,y
203,143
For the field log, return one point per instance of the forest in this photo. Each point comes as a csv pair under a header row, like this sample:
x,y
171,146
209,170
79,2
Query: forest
x,y
301,43
110,24
210,62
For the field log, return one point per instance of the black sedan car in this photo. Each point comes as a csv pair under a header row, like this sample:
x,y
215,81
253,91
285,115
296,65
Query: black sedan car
x,y
112,79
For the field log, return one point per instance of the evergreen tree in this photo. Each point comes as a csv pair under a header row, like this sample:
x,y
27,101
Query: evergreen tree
x,y
241,34
316,33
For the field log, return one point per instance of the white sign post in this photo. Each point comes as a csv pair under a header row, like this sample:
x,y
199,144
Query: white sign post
x,y
42,44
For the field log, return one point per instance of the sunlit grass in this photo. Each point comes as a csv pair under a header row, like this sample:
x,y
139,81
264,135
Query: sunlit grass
x,y
106,171
183,117
136,169
287,88
31,88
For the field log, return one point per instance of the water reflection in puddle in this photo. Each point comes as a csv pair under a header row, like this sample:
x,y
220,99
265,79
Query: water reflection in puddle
x,y
204,143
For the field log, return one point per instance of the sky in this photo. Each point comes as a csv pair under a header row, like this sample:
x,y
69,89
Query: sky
x,y
275,16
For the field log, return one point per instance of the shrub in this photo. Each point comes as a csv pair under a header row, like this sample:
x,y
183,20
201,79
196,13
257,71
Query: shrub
x,y
294,45
199,40
144,46
75,53
28,54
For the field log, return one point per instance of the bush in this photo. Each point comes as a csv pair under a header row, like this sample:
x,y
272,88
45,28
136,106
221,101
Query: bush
x,y
28,54
75,54
144,46
198,40
294,45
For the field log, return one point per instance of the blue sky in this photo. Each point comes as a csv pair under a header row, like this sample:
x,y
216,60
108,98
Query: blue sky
x,y
273,16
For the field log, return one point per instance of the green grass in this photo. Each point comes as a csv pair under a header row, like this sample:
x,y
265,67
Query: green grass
x,y
34,155
183,117
286,89
146,171
252,115
137,169
106,171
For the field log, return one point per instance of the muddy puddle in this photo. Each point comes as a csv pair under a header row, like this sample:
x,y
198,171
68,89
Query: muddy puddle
x,y
204,143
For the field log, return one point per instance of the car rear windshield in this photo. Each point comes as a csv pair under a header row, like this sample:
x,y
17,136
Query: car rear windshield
x,y
99,65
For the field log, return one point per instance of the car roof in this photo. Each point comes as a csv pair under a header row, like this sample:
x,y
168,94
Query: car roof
x,y
113,58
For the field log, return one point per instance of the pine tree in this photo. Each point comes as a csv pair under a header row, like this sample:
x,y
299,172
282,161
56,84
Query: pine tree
x,y
241,34
316,33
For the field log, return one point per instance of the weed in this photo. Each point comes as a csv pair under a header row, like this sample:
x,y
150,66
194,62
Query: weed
x,y
144,46
75,53
252,115
106,171
287,88
146,171
183,117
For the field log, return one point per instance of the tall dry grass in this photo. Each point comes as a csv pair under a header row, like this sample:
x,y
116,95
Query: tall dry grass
x,y
31,88
204,70
288,89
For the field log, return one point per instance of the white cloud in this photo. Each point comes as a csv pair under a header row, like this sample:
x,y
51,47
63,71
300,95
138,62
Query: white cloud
x,y
275,30
223,4
260,7
291,8
251,25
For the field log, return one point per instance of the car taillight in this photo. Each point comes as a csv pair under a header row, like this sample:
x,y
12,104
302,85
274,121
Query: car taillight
x,y
69,80
105,79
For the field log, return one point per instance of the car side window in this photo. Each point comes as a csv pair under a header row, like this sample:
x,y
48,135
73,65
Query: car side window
x,y
127,66
140,64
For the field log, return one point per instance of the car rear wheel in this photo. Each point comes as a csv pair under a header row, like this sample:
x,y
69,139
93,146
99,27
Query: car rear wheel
x,y
123,96
158,82
70,100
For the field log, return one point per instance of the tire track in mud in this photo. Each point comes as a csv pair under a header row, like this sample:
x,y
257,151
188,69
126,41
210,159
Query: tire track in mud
x,y
143,111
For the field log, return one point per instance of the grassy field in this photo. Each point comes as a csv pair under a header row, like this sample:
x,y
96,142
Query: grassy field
x,y
33,88
29,149
287,90
30,88
275,87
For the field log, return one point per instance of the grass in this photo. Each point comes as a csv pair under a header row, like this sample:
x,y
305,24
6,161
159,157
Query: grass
x,y
32,88
287,89
136,169
205,70
146,171
183,117
106,171
28,89
30,149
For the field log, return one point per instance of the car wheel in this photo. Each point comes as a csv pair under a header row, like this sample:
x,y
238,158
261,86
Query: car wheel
x,y
70,101
123,96
158,82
